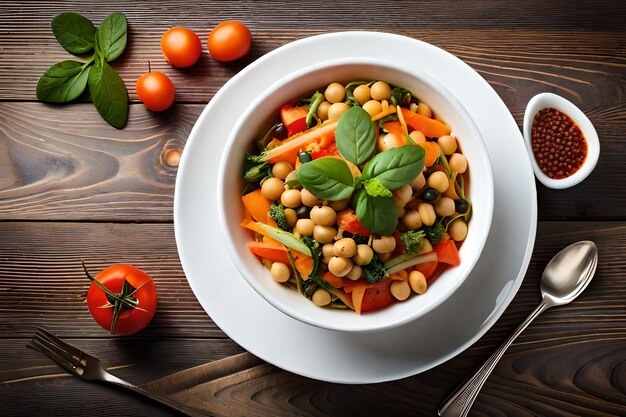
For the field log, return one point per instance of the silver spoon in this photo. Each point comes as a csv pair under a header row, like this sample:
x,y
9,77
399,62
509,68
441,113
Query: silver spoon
x,y
565,277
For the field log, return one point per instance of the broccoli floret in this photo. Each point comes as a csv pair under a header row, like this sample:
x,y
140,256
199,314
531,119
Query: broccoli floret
x,y
374,271
413,240
277,212
435,232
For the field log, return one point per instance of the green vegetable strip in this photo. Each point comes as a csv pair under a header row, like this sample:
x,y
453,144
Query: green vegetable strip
x,y
286,238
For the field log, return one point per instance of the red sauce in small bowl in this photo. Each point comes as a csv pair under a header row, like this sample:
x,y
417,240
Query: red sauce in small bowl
x,y
558,143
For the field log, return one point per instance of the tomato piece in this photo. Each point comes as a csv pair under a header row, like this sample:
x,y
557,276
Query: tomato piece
x,y
427,268
447,252
228,41
325,145
269,251
347,220
181,47
139,288
297,126
155,90
367,297
436,273
290,114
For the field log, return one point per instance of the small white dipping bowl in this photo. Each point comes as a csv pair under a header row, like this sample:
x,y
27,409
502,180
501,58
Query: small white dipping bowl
x,y
259,116
549,100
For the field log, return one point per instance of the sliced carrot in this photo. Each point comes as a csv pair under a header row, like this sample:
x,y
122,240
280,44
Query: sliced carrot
x,y
304,264
432,152
257,205
343,296
394,127
269,251
252,225
429,127
289,114
371,296
426,268
335,281
299,140
447,252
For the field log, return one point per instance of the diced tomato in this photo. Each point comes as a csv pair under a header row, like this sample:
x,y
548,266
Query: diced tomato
x,y
436,273
325,145
297,126
270,251
348,221
399,249
447,252
368,297
289,114
427,268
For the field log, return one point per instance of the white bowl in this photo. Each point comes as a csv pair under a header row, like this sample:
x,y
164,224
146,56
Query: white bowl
x,y
258,116
549,100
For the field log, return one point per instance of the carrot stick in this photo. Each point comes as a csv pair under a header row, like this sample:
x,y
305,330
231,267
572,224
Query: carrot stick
x,y
429,127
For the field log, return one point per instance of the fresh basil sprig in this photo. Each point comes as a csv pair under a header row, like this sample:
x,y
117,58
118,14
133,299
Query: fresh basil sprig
x,y
396,166
327,178
66,80
355,135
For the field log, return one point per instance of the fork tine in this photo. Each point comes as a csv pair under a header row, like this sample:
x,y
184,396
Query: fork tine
x,y
66,346
58,350
62,362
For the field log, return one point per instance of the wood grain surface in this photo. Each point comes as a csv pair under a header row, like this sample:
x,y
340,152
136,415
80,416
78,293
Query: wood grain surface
x,y
73,188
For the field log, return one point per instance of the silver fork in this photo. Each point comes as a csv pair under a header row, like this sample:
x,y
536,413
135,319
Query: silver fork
x,y
87,367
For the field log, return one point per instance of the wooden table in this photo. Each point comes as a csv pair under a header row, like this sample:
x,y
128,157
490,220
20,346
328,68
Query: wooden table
x,y
72,188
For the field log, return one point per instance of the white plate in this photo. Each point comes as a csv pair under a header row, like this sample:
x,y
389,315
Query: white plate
x,y
355,357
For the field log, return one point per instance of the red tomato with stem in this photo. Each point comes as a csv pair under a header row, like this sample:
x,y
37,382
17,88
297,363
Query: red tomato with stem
x,y
181,47
229,41
122,299
155,90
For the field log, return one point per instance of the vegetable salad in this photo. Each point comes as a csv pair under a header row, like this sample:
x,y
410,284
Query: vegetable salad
x,y
356,196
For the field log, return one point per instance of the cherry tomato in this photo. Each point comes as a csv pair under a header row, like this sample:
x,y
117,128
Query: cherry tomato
x,y
181,47
155,90
229,41
127,283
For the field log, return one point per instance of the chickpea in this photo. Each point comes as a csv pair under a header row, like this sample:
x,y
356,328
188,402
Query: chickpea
x,y
417,136
419,182
272,188
412,220
339,266
346,247
424,110
403,194
355,273
328,250
384,244
323,215
308,198
321,297
417,281
364,255
291,216
380,90
322,110
335,93
458,163
427,214
388,141
373,107
439,181
304,227
458,230
340,204
401,211
324,234
444,207
291,198
362,94
280,272
400,290
384,257
447,143
336,110
281,169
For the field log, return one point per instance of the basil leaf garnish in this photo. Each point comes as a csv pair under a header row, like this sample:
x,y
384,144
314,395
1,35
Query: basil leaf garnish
x,y
378,214
327,178
109,94
62,82
74,32
375,188
396,166
111,36
355,135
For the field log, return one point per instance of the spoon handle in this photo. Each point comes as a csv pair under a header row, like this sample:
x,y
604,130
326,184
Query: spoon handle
x,y
460,402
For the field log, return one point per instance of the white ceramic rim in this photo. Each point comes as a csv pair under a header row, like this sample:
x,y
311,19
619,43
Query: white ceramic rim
x,y
370,362
550,100
413,308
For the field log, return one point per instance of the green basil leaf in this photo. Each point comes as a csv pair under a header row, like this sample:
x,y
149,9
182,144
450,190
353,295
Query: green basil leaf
x,y
327,178
377,214
355,135
108,93
396,167
375,188
62,82
111,36
74,32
